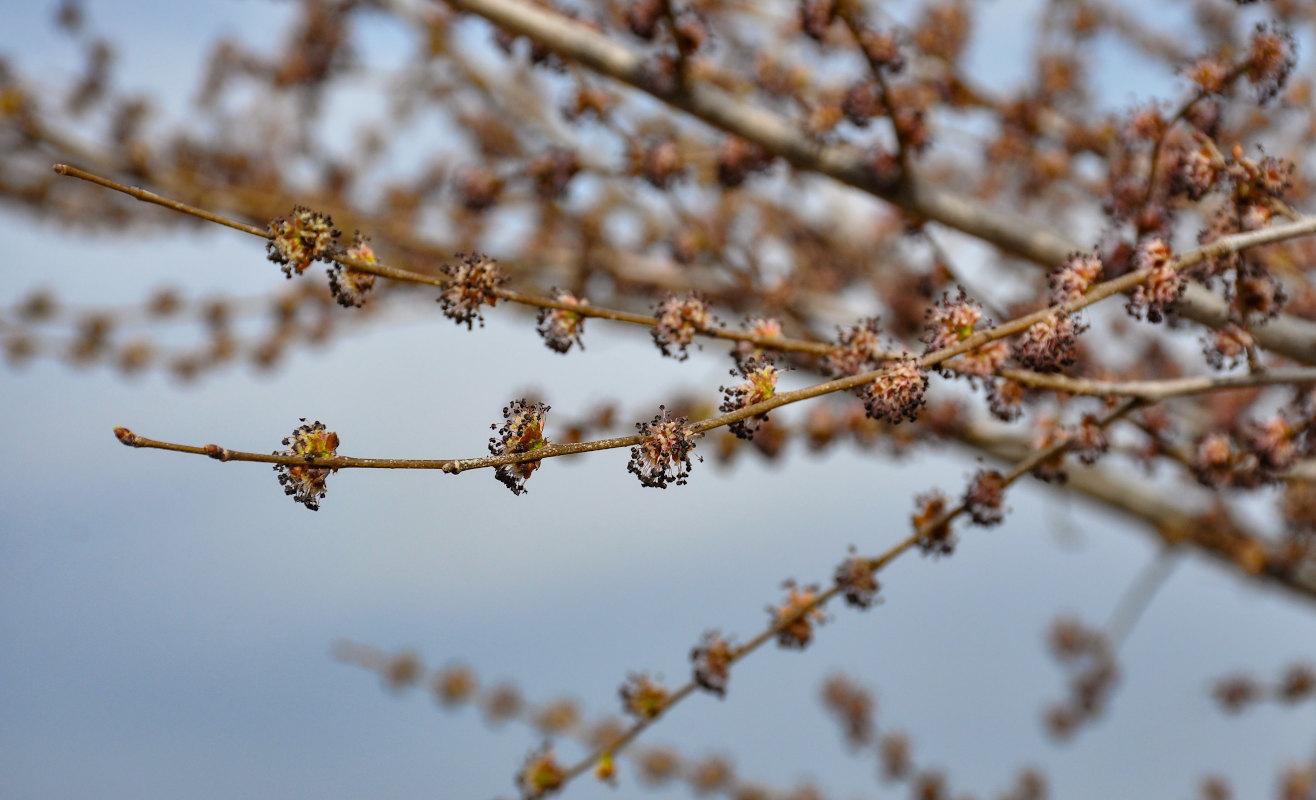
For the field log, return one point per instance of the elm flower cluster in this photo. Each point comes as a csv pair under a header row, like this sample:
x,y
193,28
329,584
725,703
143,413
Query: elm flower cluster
x,y
350,286
852,705
760,384
642,697
857,580
796,616
981,362
522,432
1227,347
663,457
1049,344
1074,277
559,327
858,349
1271,57
305,483
1196,171
1006,400
1215,459
712,659
985,498
1163,286
935,536
541,773
1279,441
1049,434
1088,440
679,319
472,283
951,321
897,393
762,327
302,237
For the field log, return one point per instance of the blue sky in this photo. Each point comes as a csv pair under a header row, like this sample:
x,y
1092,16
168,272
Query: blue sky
x,y
168,620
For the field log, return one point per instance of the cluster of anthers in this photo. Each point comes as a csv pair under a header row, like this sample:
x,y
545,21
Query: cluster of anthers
x,y
299,239
472,284
663,457
795,618
679,319
760,384
642,697
712,659
951,321
1155,296
349,285
897,393
522,432
304,482
559,327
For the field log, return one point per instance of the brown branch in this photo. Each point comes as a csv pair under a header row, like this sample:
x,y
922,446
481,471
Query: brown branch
x,y
1013,234
1095,294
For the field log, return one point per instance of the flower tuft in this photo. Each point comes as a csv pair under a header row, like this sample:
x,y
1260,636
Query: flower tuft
x,y
522,432
472,283
951,321
760,384
853,706
985,497
858,349
1271,56
305,483
1049,345
712,659
1227,347
541,773
663,457
857,580
935,536
1088,440
763,327
350,286
1075,277
897,393
642,697
796,616
679,319
559,327
1163,286
1006,400
302,237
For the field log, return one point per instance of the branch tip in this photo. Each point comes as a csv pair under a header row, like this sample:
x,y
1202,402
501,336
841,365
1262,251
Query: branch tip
x,y
127,437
